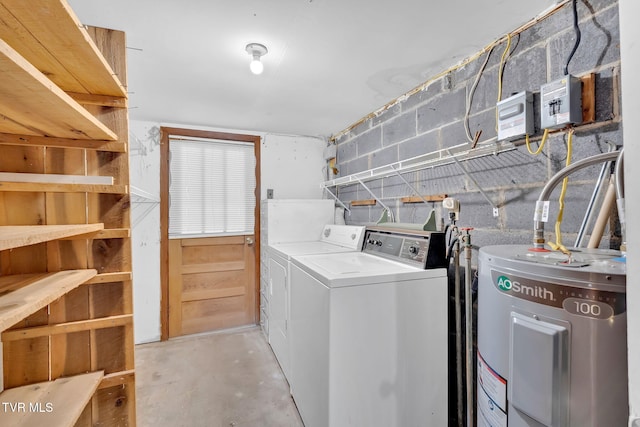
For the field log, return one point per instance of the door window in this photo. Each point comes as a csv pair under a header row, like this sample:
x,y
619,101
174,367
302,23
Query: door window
x,y
211,187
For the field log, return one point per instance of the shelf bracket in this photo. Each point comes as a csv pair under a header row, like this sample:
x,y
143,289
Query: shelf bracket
x,y
385,207
464,170
408,184
141,196
338,200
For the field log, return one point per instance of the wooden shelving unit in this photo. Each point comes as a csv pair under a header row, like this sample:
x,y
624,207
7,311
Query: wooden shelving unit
x,y
66,309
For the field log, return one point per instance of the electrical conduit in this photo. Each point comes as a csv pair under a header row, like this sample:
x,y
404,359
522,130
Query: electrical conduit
x,y
538,225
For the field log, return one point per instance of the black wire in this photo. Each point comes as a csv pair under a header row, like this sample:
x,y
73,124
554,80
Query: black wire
x,y
576,29
450,250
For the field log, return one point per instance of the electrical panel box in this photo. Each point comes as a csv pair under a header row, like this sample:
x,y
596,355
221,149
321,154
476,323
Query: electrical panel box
x,y
515,116
561,103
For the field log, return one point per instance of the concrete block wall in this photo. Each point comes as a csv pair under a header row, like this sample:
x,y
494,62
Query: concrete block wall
x,y
433,118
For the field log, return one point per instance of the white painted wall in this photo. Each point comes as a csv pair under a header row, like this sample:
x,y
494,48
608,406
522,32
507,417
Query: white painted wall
x,y
291,165
144,157
630,58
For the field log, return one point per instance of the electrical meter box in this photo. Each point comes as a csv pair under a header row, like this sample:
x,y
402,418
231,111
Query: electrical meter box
x,y
561,103
515,116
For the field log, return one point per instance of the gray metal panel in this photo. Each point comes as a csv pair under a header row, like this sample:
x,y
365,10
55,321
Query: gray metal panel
x,y
515,116
561,102
539,376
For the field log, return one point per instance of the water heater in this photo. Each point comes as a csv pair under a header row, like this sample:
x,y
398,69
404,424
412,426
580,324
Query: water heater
x,y
552,343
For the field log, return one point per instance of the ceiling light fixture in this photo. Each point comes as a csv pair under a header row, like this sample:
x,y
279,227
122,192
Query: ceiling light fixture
x,y
256,50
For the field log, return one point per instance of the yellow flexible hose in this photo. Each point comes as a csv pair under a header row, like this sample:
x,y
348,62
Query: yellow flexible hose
x,y
558,244
542,142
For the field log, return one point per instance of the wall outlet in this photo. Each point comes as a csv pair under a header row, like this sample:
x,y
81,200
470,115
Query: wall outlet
x,y
561,103
515,116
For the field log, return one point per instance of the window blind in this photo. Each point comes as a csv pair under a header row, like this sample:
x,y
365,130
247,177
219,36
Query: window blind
x,y
211,187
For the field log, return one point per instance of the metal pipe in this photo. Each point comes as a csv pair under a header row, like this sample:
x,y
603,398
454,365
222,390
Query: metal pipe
x,y
605,212
588,216
597,191
458,314
619,177
538,224
466,238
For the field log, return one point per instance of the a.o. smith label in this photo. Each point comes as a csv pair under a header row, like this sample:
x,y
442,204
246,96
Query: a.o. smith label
x,y
584,302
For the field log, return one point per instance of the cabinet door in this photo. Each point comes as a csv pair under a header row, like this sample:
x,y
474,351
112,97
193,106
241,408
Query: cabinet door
x,y
279,312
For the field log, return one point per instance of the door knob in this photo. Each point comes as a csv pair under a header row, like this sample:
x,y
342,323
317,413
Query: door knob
x,y
249,241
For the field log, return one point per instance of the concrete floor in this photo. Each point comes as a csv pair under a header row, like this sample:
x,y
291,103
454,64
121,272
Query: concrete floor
x,y
220,379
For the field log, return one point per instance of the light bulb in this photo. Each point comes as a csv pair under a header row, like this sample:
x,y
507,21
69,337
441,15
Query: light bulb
x,y
256,50
256,66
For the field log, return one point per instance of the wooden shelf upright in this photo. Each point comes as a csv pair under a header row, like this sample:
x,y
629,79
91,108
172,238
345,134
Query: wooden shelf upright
x,y
66,308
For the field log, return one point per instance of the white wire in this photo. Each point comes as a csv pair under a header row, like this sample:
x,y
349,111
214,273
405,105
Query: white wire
x,y
470,96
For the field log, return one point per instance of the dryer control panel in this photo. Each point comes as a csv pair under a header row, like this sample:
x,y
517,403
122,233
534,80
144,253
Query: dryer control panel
x,y
420,249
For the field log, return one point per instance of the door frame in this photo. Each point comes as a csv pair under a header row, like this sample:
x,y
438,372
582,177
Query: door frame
x,y
165,134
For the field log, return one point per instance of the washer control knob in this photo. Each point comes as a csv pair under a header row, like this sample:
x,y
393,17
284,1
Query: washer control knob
x,y
414,250
379,242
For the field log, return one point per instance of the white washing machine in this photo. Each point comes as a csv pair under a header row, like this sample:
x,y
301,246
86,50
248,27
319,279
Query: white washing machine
x,y
287,221
369,333
334,239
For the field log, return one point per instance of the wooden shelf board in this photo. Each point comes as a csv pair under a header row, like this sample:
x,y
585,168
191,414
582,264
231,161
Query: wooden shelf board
x,y
67,397
19,138
367,202
428,198
43,32
31,187
23,295
30,100
67,328
117,379
15,236
123,276
109,233
54,178
102,100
